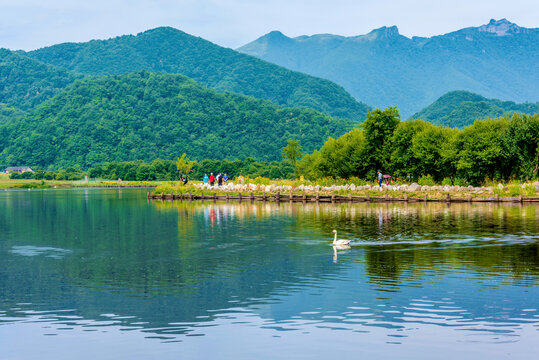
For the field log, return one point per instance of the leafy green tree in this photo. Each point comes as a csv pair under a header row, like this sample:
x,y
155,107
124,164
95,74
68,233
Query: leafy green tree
x,y
343,157
403,159
481,152
145,172
427,147
378,129
521,141
292,152
309,165
184,165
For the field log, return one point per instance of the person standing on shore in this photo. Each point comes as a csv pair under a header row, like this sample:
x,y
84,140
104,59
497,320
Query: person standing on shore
x,y
212,179
219,179
225,179
380,178
206,179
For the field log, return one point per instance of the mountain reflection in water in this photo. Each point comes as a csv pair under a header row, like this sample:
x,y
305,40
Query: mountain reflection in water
x,y
76,262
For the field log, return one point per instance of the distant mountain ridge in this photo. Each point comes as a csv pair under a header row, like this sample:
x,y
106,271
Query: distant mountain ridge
x,y
462,108
383,68
168,50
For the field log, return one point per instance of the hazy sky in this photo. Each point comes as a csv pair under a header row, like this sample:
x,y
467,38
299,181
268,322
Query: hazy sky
x,y
30,24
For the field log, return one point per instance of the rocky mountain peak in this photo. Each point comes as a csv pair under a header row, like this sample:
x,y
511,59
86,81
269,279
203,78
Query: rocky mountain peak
x,y
384,32
502,27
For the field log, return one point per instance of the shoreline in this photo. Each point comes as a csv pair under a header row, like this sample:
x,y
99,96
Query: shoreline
x,y
336,198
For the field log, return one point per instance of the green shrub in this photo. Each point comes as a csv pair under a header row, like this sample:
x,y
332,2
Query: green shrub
x,y
447,181
461,182
426,180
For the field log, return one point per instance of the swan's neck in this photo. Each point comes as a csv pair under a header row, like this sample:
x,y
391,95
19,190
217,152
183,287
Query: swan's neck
x,y
335,238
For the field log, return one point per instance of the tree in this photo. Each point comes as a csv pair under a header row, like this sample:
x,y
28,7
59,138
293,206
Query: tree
x,y
378,129
481,153
292,152
521,143
184,165
403,159
431,156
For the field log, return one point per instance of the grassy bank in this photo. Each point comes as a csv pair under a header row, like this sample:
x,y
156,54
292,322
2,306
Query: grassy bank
x,y
260,186
512,189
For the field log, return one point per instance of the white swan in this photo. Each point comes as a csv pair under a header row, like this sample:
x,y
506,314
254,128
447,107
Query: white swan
x,y
340,243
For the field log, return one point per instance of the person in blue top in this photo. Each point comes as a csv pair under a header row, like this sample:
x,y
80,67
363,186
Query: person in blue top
x,y
380,178
206,178
225,179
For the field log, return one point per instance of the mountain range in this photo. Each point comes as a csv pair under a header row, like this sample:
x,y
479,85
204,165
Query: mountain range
x,y
384,68
168,50
164,92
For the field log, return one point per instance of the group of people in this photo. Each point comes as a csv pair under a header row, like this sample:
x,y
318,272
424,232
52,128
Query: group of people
x,y
219,179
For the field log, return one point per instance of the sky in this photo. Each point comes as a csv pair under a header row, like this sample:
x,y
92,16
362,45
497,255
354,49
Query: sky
x,y
31,24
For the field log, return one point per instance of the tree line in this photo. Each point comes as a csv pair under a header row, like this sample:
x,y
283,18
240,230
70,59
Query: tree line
x,y
168,170
501,149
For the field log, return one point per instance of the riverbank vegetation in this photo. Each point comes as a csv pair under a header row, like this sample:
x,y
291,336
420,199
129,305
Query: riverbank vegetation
x,y
500,149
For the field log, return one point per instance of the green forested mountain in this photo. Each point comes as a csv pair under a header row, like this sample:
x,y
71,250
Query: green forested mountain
x,y
146,116
384,68
462,108
168,50
26,82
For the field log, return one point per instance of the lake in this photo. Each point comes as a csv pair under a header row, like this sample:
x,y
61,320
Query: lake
x,y
107,274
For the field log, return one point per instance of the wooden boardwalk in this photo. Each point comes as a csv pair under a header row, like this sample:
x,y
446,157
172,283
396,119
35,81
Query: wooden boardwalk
x,y
334,198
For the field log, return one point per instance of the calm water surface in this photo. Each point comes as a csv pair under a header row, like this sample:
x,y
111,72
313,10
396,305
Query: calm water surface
x,y
105,274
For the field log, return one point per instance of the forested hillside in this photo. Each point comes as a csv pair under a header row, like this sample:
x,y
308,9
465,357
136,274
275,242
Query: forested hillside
x,y
168,50
9,113
26,82
384,68
462,108
144,116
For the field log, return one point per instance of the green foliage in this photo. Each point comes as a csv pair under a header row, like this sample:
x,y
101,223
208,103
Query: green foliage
x,y
160,169
495,149
26,82
168,50
403,160
292,152
9,114
427,180
481,153
64,174
184,165
432,151
522,145
447,181
147,115
462,108
378,129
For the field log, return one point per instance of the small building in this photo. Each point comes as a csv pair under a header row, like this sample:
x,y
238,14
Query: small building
x,y
17,169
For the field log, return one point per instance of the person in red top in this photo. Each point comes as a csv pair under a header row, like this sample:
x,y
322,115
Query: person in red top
x,y
212,179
